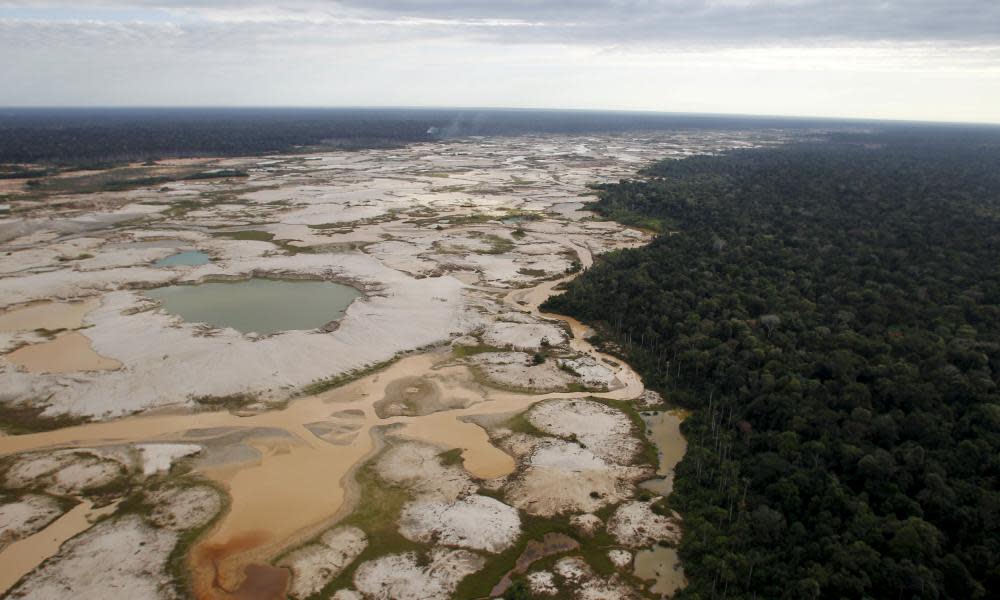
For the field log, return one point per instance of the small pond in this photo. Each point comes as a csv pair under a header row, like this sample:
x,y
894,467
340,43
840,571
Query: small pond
x,y
662,565
192,259
258,305
663,428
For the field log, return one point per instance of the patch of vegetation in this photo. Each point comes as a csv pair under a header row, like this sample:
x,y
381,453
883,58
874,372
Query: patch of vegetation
x,y
470,219
516,215
336,225
445,189
451,457
124,178
568,369
230,402
253,235
466,351
498,245
49,333
520,423
592,549
531,272
323,385
177,567
20,172
377,514
216,174
81,256
17,419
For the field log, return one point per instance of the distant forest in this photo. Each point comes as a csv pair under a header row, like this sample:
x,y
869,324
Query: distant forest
x,y
830,313
93,136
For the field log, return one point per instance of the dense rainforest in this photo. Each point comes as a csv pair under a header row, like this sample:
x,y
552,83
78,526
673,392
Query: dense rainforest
x,y
92,136
830,313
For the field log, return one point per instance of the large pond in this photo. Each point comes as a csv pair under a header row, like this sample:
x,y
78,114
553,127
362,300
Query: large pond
x,y
258,305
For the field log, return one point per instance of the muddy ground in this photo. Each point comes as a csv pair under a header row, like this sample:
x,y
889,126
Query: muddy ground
x,y
387,454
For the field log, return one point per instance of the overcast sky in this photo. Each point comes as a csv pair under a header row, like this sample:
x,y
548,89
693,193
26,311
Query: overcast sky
x,y
899,59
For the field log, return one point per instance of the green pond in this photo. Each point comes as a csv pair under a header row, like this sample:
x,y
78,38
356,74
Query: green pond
x,y
258,305
192,259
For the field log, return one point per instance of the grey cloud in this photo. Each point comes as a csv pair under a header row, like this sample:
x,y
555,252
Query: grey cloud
x,y
725,21
621,22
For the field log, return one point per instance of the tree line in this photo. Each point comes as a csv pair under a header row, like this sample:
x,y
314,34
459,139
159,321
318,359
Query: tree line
x,y
830,311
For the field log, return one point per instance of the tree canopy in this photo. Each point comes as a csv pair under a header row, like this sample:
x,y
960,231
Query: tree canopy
x,y
831,312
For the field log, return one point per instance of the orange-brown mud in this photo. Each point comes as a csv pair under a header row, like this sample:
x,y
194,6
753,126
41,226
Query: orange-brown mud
x,y
260,582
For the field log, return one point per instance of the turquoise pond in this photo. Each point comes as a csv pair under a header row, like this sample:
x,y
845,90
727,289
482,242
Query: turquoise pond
x,y
258,305
192,259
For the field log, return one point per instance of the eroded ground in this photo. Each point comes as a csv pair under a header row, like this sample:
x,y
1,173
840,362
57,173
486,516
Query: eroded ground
x,y
442,428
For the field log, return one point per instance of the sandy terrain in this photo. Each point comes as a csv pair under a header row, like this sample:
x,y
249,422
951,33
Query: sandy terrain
x,y
403,577
25,516
474,522
315,565
279,424
115,555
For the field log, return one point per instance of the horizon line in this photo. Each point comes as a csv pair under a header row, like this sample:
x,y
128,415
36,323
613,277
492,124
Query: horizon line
x,y
624,111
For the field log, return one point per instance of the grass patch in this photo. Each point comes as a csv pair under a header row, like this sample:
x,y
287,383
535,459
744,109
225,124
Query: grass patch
x,y
335,225
568,369
322,385
498,245
466,351
81,256
451,457
125,178
180,575
230,402
253,235
519,423
17,419
377,514
592,549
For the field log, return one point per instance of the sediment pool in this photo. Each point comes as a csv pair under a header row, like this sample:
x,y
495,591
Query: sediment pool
x,y
258,305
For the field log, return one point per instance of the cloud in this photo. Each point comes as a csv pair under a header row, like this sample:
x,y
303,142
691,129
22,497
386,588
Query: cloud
x,y
728,23
891,58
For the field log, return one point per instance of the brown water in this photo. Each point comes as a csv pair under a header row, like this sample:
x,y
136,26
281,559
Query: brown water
x,y
662,566
664,430
21,557
302,484
67,353
47,315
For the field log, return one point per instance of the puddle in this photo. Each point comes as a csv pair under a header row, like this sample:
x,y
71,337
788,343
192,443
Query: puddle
x,y
258,305
662,565
67,353
190,259
664,430
47,315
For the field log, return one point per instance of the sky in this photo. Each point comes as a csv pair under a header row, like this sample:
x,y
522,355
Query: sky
x,y
936,60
